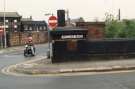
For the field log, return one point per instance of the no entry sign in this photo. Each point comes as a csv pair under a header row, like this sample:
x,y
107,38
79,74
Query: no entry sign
x,y
52,22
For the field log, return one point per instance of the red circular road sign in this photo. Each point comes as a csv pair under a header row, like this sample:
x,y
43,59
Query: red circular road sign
x,y
53,22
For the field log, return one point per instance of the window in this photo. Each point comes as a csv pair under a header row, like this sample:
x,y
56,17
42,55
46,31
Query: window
x,y
6,26
37,29
15,21
40,28
45,28
15,26
6,21
30,28
25,27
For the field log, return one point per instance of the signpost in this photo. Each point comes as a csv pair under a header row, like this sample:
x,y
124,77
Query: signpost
x,y
52,24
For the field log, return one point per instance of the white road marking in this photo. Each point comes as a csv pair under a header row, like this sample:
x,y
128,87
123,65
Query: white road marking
x,y
7,72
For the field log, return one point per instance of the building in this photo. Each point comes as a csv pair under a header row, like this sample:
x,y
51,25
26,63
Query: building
x,y
28,26
15,23
27,19
18,28
72,22
90,24
95,29
12,21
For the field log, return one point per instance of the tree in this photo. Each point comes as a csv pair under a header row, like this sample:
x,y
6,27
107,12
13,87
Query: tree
x,y
130,28
119,28
115,29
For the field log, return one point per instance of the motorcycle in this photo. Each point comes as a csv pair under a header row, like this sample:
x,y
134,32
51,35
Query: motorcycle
x,y
29,51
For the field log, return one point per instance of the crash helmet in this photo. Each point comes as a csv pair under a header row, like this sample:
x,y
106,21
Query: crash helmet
x,y
29,38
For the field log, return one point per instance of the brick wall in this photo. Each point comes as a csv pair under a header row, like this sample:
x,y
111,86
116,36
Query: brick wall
x,y
19,38
95,33
95,29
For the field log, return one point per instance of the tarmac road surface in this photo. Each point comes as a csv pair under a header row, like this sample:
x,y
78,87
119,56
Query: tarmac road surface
x,y
123,80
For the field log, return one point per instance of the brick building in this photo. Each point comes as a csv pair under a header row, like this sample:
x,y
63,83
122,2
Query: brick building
x,y
28,26
17,28
95,29
12,21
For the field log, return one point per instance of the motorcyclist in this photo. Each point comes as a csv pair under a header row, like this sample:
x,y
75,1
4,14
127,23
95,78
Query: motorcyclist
x,y
29,42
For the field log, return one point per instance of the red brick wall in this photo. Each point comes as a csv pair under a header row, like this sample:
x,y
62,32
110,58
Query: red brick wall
x,y
95,33
95,29
19,38
14,39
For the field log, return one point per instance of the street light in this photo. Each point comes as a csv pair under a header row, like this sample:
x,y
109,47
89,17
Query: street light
x,y
5,37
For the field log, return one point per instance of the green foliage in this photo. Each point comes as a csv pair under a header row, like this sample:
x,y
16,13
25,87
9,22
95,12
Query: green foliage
x,y
119,29
115,29
130,28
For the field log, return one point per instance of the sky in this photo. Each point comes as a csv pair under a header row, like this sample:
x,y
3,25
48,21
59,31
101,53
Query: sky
x,y
88,9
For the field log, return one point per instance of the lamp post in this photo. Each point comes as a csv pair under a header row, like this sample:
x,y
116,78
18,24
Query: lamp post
x,y
5,37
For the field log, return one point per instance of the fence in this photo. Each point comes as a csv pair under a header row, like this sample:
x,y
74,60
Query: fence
x,y
84,49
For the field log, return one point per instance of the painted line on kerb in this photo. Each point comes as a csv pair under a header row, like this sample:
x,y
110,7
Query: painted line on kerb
x,y
6,70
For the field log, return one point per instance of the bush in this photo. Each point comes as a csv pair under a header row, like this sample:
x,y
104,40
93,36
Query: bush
x,y
119,29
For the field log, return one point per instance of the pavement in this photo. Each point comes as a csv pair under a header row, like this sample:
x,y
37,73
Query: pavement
x,y
42,65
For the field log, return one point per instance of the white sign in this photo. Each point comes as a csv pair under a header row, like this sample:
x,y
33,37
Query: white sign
x,y
72,36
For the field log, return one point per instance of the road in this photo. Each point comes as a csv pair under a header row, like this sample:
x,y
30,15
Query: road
x,y
98,81
16,57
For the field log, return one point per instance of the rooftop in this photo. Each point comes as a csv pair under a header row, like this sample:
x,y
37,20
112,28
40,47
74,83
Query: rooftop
x,y
9,14
34,22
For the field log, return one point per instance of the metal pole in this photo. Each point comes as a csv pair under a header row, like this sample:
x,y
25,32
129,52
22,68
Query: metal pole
x,y
5,37
49,43
119,15
68,18
1,41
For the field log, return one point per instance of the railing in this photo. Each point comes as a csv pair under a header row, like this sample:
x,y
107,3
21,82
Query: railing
x,y
85,49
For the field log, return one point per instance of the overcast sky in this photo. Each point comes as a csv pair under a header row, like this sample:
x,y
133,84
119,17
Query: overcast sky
x,y
88,9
